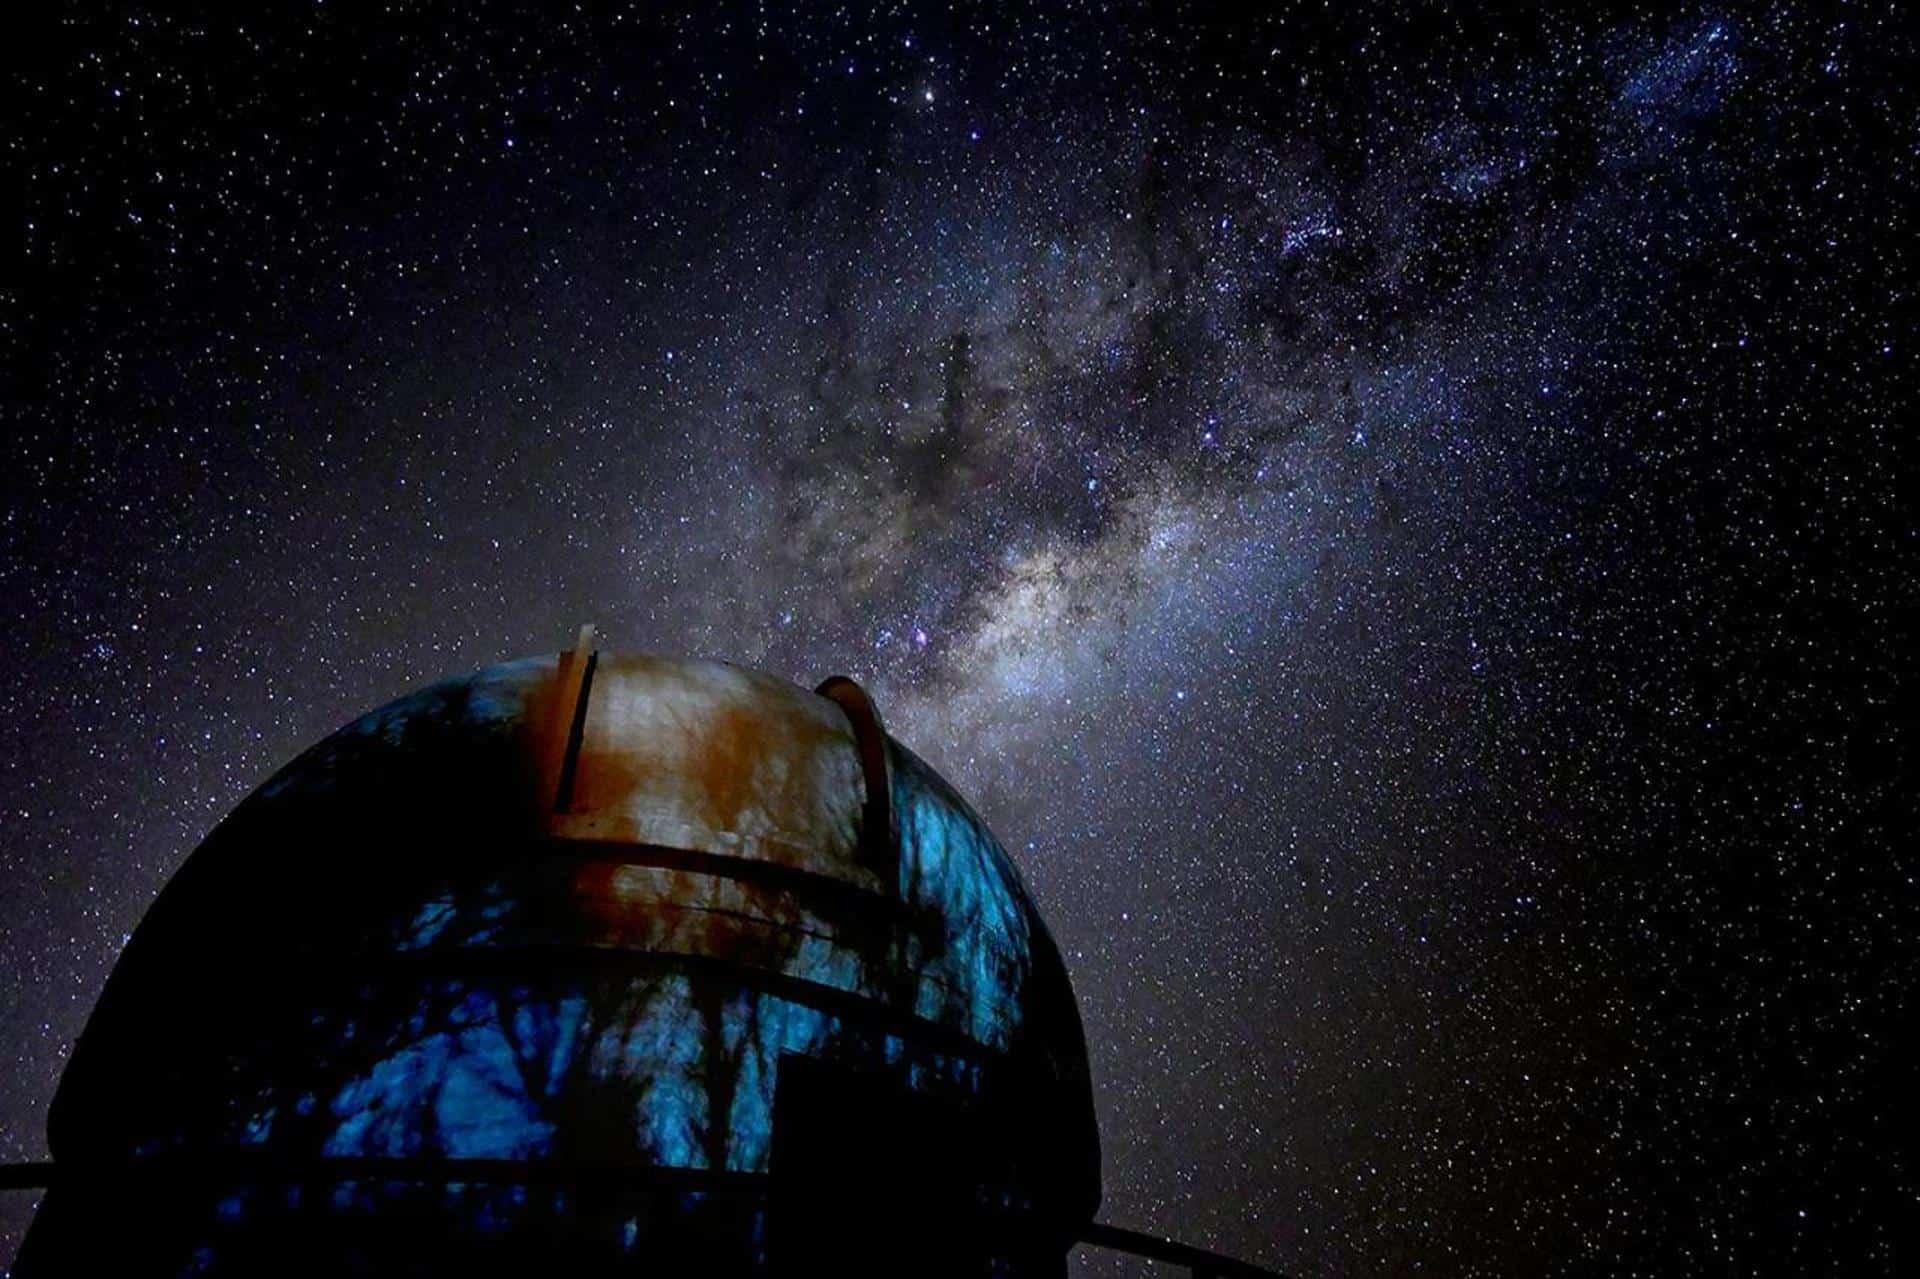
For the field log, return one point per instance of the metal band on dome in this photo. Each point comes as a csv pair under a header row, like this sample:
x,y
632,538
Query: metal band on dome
x,y
575,683
877,845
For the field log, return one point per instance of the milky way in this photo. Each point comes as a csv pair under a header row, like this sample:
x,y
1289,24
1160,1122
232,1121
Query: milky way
x,y
1396,521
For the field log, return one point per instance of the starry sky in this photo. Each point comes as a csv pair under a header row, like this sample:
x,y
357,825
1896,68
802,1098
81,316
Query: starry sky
x,y
1400,518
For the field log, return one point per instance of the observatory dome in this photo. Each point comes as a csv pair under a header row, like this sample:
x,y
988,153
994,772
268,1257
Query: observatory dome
x,y
584,964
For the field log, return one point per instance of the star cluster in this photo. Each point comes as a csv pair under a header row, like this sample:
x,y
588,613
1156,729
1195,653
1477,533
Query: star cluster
x,y
1396,516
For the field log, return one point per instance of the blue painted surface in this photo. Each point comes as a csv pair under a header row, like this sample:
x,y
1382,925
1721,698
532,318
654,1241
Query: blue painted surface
x,y
954,870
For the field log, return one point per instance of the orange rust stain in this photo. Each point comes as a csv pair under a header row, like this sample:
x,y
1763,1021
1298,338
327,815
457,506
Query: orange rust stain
x,y
609,908
768,762
536,733
604,778
597,881
722,762
616,904
811,739
751,760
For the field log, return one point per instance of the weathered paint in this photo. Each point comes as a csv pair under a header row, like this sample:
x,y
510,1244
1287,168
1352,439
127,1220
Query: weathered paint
x,y
398,948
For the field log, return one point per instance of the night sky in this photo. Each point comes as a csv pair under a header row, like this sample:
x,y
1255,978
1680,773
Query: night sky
x,y
1401,520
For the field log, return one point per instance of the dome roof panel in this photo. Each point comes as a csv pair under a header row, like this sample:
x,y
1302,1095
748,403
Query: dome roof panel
x,y
711,757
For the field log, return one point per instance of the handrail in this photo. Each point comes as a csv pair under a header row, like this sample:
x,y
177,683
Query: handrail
x,y
41,1174
1203,1264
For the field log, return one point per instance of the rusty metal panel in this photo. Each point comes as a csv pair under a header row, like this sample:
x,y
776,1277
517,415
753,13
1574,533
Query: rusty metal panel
x,y
707,756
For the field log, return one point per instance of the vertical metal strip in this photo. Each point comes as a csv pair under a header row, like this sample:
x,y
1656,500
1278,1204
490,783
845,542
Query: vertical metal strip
x,y
877,844
574,683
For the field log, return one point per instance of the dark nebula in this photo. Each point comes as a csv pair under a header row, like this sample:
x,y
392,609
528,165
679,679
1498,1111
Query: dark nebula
x,y
1400,518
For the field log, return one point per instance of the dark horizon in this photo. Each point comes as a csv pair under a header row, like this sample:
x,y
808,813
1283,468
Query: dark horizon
x,y
1399,520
